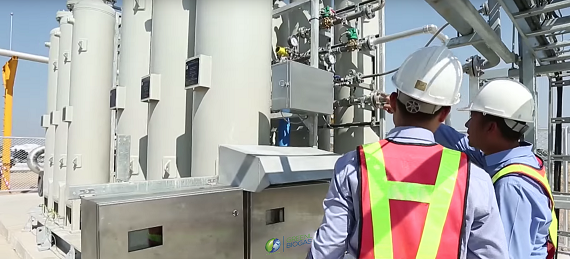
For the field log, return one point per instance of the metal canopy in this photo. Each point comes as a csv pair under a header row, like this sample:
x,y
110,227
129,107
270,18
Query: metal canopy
x,y
254,168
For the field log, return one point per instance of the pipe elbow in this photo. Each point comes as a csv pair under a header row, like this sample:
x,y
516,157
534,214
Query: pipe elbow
x,y
433,30
33,156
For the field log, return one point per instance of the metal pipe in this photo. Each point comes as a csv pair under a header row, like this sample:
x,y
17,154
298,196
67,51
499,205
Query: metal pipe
x,y
314,60
431,29
33,156
24,56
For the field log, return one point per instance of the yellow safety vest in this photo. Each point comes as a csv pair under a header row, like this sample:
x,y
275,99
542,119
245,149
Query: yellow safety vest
x,y
538,175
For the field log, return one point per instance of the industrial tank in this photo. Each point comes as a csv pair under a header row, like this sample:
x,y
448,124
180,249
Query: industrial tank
x,y
92,72
65,19
235,109
53,45
169,121
133,65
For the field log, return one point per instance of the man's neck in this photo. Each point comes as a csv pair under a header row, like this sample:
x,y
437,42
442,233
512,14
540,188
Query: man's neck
x,y
501,148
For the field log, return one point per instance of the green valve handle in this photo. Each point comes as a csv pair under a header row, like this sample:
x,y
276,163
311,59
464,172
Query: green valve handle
x,y
326,12
352,33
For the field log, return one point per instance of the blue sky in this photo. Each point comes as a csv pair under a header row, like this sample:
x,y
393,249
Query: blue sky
x,y
33,20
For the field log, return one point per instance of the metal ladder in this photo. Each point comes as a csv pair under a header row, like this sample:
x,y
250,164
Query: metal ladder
x,y
557,166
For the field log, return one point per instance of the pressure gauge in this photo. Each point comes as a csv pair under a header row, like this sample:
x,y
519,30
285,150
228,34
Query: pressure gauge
x,y
293,42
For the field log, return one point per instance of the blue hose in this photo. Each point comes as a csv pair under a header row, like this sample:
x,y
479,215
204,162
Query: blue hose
x,y
283,132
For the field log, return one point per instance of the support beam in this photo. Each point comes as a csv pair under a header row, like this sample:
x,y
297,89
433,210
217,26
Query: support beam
x,y
458,22
542,9
552,25
560,44
472,16
544,69
523,29
527,78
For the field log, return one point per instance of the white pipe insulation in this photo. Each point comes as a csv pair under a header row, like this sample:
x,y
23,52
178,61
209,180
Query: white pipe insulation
x,y
428,29
65,19
53,46
89,144
170,118
241,79
23,56
133,65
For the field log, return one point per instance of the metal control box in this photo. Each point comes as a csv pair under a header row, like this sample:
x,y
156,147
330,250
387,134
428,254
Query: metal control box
x,y
117,97
150,88
211,222
301,89
198,72
198,223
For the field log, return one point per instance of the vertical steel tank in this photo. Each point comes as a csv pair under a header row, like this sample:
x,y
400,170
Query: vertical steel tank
x,y
235,110
89,144
169,121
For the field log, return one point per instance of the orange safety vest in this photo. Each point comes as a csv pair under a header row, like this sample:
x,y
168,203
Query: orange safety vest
x,y
413,201
539,176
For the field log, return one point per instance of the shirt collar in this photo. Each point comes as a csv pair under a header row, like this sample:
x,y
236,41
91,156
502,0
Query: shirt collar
x,y
410,134
524,150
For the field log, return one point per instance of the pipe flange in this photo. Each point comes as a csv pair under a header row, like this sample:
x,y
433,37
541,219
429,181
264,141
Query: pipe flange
x,y
474,66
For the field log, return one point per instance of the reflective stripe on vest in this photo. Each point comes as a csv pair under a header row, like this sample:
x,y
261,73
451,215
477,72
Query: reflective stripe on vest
x,y
413,201
539,176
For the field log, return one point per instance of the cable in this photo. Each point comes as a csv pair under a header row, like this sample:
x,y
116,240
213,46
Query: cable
x,y
435,34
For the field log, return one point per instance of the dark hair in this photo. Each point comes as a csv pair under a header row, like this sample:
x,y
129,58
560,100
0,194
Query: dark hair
x,y
420,116
504,129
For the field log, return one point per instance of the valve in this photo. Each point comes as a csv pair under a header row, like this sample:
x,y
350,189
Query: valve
x,y
327,18
473,67
352,79
327,12
352,33
281,52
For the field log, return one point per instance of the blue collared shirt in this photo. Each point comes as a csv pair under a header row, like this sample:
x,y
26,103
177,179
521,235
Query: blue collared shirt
x,y
523,204
483,236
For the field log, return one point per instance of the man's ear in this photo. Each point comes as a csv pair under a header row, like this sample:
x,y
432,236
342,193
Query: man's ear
x,y
445,111
394,101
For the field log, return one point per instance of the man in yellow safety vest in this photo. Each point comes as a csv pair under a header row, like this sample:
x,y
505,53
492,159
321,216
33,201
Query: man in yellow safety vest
x,y
500,115
406,196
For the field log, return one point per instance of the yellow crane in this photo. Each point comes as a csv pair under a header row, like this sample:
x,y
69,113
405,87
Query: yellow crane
x,y
8,76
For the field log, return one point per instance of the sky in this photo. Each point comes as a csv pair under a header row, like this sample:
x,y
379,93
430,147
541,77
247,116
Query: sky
x,y
34,19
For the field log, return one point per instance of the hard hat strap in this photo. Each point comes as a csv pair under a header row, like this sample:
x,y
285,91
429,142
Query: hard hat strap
x,y
517,126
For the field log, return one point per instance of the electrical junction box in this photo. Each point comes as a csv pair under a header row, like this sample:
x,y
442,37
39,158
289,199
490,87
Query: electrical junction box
x,y
67,114
198,72
301,89
150,88
118,98
45,121
54,117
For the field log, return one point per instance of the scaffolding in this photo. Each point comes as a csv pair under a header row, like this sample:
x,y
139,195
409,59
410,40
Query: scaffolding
x,y
539,26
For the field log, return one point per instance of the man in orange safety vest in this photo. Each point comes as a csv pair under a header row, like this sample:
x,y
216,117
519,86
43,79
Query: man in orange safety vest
x,y
406,196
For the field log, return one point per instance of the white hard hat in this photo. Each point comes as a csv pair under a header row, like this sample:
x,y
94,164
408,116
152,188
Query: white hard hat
x,y
432,75
506,99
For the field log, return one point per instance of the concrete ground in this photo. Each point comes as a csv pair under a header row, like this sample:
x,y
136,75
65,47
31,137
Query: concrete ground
x,y
15,243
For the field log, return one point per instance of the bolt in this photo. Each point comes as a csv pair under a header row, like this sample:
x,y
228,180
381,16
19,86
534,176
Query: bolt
x,y
235,213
